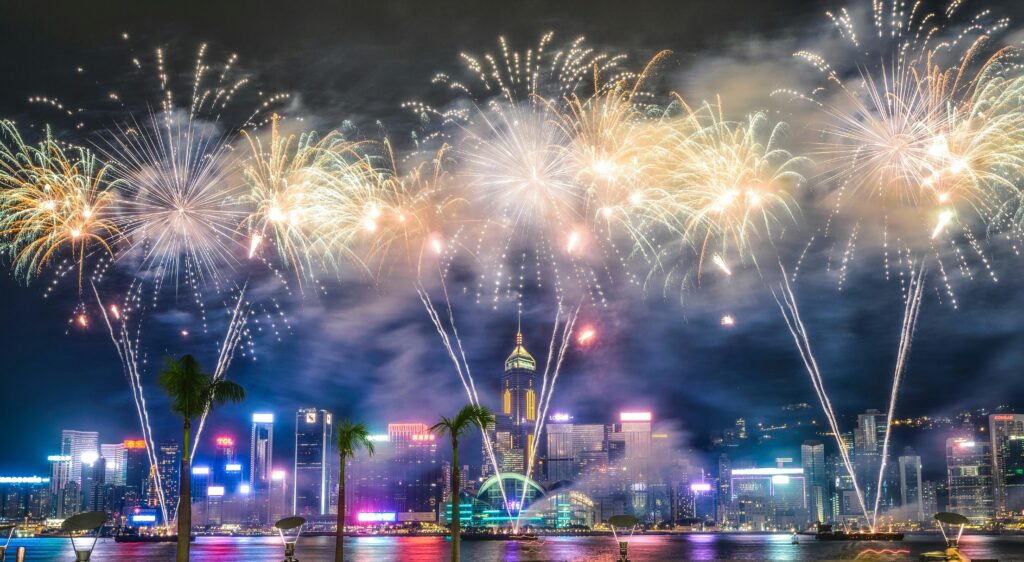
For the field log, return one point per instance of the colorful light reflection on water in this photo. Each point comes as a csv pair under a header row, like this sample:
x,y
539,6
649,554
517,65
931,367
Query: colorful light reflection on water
x,y
649,548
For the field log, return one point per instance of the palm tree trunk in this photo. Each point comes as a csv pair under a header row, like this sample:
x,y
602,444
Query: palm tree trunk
x,y
339,540
184,501
456,501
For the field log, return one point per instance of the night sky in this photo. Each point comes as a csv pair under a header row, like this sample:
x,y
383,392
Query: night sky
x,y
367,350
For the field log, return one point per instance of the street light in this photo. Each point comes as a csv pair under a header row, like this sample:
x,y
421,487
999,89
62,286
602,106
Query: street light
x,y
90,521
285,525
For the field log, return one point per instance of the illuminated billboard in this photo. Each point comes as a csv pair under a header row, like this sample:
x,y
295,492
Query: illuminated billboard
x,y
277,475
233,467
376,517
134,444
560,417
635,416
214,491
225,442
378,438
143,518
59,458
700,487
201,470
23,480
263,418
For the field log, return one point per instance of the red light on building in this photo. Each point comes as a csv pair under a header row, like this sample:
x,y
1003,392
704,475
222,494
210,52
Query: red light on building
x,y
134,444
225,442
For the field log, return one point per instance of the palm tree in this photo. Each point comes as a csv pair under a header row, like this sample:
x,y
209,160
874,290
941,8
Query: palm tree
x,y
191,392
351,438
470,416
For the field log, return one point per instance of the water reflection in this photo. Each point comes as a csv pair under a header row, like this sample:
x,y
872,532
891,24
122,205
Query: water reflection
x,y
643,548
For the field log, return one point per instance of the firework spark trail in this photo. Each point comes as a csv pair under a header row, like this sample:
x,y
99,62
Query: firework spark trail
x,y
548,390
235,333
910,315
462,368
127,352
791,314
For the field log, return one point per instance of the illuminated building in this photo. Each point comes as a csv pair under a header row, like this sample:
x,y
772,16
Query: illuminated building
x,y
969,474
867,445
200,483
517,417
312,475
280,504
369,485
169,466
767,499
812,459
94,472
910,486
560,453
1006,432
114,453
200,494
225,456
634,432
261,452
705,506
261,461
136,470
76,443
724,488
71,499
60,475
26,497
415,468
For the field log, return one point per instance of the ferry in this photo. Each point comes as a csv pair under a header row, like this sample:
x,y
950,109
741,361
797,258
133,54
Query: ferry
x,y
825,533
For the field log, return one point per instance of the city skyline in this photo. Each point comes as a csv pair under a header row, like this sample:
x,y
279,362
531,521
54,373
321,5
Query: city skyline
x,y
682,259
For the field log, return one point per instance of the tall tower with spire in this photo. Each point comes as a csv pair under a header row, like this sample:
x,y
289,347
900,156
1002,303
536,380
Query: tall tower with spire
x,y
517,416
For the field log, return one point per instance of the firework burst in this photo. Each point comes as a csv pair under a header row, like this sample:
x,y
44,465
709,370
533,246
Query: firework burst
x,y
54,199
724,186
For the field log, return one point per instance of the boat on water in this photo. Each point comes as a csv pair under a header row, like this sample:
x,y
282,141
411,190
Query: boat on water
x,y
825,533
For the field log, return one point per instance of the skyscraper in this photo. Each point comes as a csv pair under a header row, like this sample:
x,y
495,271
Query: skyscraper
x,y
225,464
60,475
280,504
911,486
75,443
867,445
169,466
261,451
812,459
94,472
1007,434
560,452
261,462
969,471
136,470
518,416
312,474
114,453
415,467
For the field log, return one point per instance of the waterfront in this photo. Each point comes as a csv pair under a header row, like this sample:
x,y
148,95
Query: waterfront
x,y
661,548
